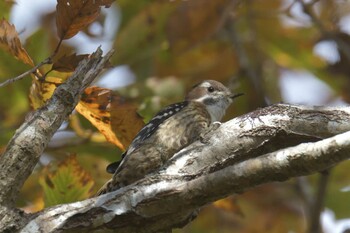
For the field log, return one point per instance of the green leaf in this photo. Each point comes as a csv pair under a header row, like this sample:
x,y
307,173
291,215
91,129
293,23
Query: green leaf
x,y
336,196
143,35
39,45
69,183
5,7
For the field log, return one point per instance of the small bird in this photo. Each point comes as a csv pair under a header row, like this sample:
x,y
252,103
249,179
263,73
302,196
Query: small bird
x,y
172,129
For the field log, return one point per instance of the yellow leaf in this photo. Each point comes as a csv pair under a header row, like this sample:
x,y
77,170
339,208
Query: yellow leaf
x,y
229,204
41,91
116,119
36,205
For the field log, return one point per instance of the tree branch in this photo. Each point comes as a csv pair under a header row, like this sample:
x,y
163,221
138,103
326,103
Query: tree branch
x,y
24,149
250,150
316,206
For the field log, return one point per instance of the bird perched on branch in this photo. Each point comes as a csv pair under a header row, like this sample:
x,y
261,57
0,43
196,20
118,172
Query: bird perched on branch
x,y
172,129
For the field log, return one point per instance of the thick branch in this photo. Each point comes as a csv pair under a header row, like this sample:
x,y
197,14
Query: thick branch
x,y
24,149
241,154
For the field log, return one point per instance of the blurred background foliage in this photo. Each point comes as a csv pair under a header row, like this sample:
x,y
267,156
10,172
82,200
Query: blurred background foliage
x,y
295,51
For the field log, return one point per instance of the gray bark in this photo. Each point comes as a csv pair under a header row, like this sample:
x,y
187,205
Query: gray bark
x,y
24,149
260,147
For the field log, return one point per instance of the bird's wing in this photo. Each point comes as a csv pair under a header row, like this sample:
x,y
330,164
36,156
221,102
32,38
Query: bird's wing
x,y
147,131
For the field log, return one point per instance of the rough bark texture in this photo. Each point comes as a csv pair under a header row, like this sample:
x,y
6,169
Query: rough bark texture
x,y
262,146
242,153
24,149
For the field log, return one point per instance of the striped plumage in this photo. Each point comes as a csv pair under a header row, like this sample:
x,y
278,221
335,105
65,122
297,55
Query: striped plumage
x,y
172,129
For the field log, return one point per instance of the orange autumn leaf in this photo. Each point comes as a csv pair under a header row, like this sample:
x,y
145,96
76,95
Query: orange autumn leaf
x,y
116,119
10,42
74,15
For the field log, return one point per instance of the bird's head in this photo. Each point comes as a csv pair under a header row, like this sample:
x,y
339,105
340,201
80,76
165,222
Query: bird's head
x,y
215,97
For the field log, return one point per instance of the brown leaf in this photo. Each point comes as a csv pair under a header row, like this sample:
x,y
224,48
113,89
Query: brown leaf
x,y
192,21
10,42
74,15
68,63
116,119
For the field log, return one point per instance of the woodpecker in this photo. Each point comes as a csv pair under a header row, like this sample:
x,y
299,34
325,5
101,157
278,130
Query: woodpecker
x,y
172,129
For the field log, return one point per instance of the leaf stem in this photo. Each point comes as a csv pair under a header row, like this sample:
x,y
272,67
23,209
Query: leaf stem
x,y
21,76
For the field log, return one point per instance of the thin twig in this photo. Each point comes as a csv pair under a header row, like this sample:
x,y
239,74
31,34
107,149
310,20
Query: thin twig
x,y
245,62
21,76
33,70
57,48
227,14
318,203
304,191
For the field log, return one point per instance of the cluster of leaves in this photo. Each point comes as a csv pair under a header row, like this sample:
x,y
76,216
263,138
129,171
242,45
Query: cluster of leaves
x,y
241,43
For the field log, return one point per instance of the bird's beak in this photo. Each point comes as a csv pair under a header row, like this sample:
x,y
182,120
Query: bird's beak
x,y
236,95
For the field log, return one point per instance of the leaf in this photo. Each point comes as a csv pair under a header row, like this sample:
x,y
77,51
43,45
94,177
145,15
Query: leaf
x,y
338,189
10,42
38,44
164,30
74,15
230,205
192,21
34,206
143,35
5,7
69,183
213,58
116,119
41,91
68,63
31,197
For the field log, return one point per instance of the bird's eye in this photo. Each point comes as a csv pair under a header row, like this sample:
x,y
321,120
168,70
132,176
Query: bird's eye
x,y
210,89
